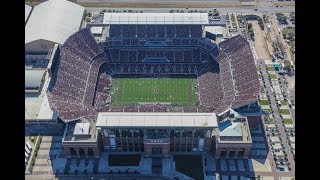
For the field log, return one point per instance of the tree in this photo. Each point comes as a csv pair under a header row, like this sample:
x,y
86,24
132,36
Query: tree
x,y
249,26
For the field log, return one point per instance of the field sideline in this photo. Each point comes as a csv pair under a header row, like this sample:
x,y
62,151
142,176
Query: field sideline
x,y
152,90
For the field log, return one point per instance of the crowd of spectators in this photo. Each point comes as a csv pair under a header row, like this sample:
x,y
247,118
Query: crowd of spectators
x,y
155,31
226,74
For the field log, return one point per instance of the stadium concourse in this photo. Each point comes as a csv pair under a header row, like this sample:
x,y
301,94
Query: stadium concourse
x,y
83,84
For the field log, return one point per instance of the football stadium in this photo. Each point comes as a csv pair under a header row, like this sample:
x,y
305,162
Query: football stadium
x,y
156,85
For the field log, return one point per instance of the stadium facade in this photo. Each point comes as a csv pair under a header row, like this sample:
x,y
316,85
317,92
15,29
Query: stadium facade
x,y
82,88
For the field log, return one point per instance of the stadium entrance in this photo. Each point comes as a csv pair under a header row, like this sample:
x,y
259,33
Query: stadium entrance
x,y
156,150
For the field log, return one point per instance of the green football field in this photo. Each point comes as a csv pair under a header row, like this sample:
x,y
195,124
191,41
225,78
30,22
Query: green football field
x,y
141,90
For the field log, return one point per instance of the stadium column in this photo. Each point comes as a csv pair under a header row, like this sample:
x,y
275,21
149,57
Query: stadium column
x,y
127,140
186,138
193,131
246,152
67,151
236,153
228,152
132,140
77,152
180,140
96,152
86,152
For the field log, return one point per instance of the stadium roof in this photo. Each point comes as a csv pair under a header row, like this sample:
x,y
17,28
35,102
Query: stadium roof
x,y
33,78
53,20
122,119
27,12
155,18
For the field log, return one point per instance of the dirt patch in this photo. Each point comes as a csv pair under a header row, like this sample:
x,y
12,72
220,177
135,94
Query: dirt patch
x,y
259,41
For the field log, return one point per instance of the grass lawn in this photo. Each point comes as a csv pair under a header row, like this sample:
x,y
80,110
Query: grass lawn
x,y
32,139
273,76
269,120
286,31
287,121
124,160
264,102
35,153
271,68
284,111
177,90
283,102
190,165
292,44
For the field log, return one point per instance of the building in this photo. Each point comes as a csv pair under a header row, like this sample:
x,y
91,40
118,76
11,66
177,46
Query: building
x,y
234,139
157,134
34,80
213,32
27,12
95,30
154,45
80,139
43,30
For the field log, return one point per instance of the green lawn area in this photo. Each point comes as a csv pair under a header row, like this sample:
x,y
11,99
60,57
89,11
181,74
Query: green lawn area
x,y
124,160
132,91
269,120
283,102
35,153
264,102
190,165
271,68
292,44
284,111
286,31
287,121
273,76
32,139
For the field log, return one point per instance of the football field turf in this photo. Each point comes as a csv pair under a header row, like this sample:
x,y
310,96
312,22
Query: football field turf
x,y
151,90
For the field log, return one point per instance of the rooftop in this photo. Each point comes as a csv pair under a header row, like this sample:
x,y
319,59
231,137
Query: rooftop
x,y
27,12
229,128
33,78
53,20
214,29
232,131
155,18
96,30
123,119
37,107
81,129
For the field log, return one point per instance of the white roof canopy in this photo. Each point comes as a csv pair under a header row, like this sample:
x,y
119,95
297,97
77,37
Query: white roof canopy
x,y
53,20
155,18
26,12
124,119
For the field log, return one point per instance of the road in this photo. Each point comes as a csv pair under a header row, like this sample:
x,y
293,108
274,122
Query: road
x,y
97,177
287,96
243,10
277,117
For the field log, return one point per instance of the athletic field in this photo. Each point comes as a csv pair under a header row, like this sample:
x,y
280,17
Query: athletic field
x,y
144,90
